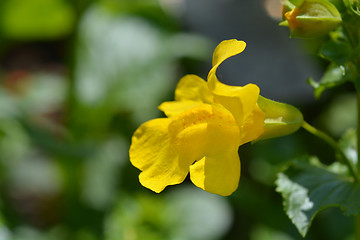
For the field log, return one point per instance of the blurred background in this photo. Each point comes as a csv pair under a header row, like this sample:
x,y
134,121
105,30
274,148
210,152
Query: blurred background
x,y
78,77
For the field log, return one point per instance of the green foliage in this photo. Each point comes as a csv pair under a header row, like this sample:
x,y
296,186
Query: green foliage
x,y
133,75
68,108
309,187
348,144
338,51
264,233
85,74
36,19
186,213
343,57
353,6
334,76
339,115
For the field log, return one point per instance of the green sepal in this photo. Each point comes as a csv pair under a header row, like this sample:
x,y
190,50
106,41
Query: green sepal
x,y
296,2
288,5
284,24
280,119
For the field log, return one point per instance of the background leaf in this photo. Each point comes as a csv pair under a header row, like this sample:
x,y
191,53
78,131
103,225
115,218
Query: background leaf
x,y
184,213
36,19
308,187
334,76
336,51
348,144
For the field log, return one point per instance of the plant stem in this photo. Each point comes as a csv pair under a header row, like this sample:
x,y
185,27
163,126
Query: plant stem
x,y
357,227
333,144
357,217
358,132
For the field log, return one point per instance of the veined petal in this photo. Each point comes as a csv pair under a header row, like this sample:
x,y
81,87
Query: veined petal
x,y
240,101
193,88
219,174
205,130
190,92
151,151
209,135
174,108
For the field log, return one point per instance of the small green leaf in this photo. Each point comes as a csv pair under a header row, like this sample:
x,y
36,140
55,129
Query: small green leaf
x,y
336,51
335,75
308,187
348,145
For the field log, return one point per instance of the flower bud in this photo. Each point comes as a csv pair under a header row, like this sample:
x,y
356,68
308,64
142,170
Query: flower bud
x,y
312,18
280,118
286,7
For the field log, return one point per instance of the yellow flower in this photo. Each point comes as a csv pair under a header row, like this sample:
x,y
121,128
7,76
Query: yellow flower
x,y
204,128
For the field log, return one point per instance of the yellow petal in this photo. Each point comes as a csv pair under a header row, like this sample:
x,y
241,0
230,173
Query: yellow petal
x,y
193,88
204,130
226,49
152,152
190,92
174,108
253,126
217,174
240,101
291,18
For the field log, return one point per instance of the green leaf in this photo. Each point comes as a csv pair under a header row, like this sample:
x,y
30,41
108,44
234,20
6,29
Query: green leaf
x,y
336,51
339,4
357,84
308,187
348,145
334,76
353,6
